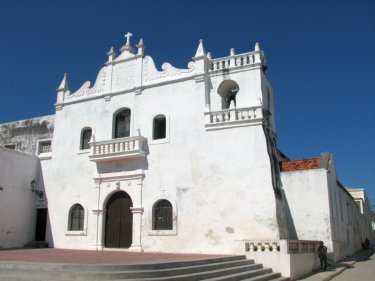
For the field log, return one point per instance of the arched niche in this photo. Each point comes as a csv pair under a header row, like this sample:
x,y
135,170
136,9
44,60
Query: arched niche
x,y
228,90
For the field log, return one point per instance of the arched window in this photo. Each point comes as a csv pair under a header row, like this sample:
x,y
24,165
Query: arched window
x,y
76,217
122,124
159,127
162,215
85,138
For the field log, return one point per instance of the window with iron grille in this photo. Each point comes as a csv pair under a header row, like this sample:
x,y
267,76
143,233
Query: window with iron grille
x,y
76,217
85,138
162,216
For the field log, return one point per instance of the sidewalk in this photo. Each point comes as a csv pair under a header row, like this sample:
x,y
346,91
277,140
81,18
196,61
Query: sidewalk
x,y
335,269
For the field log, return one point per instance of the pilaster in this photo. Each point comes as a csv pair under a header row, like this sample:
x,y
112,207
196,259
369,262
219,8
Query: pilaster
x,y
136,246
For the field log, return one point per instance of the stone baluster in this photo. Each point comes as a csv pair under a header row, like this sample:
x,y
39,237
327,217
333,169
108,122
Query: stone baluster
x,y
219,118
245,114
247,247
232,60
226,116
251,113
136,144
239,115
274,246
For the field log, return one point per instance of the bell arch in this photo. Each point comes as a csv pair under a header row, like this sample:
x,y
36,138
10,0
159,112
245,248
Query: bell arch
x,y
228,90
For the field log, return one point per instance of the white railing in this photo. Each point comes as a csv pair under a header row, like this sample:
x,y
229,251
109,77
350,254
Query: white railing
x,y
233,117
236,60
120,148
261,246
302,246
293,246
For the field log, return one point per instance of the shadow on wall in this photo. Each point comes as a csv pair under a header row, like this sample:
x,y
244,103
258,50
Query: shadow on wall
x,y
48,233
289,219
131,164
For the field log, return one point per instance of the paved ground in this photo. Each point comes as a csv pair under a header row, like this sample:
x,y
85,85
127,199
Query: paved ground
x,y
363,260
364,269
95,257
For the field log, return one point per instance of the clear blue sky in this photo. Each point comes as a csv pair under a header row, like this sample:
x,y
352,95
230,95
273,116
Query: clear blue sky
x,y
321,59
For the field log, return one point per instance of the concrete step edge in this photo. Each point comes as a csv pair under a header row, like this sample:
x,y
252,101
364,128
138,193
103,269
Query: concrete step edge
x,y
134,274
100,267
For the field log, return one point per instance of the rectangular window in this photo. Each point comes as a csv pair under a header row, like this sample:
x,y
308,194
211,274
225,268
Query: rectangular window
x,y
86,136
159,128
44,147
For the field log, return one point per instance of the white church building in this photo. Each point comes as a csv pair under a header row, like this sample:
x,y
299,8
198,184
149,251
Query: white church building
x,y
178,160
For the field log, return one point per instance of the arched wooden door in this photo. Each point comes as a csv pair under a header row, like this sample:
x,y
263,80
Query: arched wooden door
x,y
119,221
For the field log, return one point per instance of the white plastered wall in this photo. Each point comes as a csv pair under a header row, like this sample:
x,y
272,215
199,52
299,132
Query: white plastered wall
x,y
17,202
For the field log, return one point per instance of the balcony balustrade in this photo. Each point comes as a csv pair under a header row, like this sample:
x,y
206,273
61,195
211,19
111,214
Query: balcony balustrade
x,y
232,61
116,149
233,117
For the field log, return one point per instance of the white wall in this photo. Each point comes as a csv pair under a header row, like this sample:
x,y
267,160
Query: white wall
x,y
321,209
17,203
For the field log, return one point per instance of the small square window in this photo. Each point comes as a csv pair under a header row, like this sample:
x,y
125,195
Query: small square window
x,y
44,148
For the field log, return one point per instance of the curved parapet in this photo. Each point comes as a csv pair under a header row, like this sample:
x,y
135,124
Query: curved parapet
x,y
152,75
86,90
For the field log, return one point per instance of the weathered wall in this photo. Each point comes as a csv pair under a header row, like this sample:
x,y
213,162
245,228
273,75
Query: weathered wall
x,y
321,209
17,203
307,196
24,134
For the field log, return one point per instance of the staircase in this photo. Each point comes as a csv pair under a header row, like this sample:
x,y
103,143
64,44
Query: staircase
x,y
215,269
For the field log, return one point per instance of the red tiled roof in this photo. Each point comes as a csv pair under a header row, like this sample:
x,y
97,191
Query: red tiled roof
x,y
296,165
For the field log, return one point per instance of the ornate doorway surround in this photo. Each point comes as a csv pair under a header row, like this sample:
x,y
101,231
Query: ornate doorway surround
x,y
115,190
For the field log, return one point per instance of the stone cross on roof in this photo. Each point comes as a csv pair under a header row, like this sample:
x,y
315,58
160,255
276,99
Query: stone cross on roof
x,y
127,36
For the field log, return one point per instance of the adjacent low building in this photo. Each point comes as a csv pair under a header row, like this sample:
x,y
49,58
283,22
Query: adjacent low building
x,y
319,206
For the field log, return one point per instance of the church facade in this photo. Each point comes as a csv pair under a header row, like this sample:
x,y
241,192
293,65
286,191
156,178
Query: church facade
x,y
178,160
156,150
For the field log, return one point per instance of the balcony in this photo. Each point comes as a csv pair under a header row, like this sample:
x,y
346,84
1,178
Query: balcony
x,y
233,117
117,149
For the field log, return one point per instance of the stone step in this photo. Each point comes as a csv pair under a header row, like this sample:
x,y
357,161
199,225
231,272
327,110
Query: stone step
x,y
116,267
108,275
258,275
230,268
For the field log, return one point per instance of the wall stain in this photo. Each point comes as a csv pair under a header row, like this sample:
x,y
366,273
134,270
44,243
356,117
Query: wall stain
x,y
229,229
213,238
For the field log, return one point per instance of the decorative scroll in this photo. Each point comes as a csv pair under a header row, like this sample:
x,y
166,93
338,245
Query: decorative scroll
x,y
86,90
150,73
